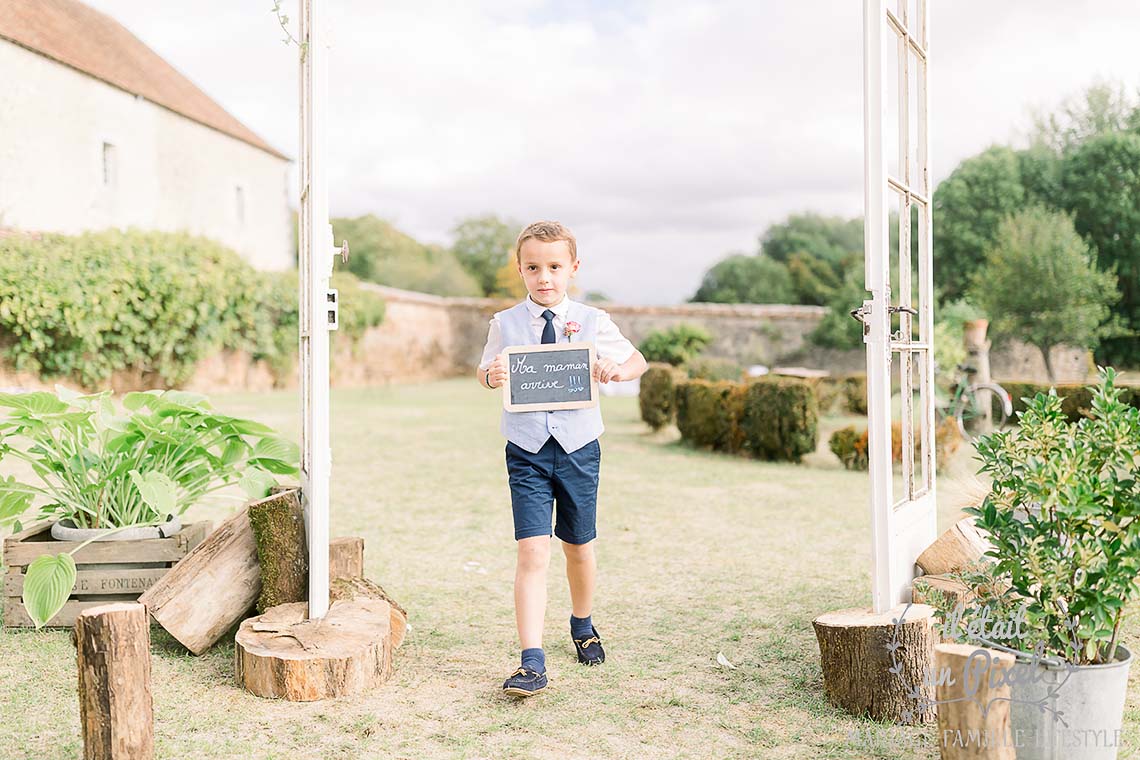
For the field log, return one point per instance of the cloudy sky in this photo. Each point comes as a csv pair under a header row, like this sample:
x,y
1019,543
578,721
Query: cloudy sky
x,y
665,134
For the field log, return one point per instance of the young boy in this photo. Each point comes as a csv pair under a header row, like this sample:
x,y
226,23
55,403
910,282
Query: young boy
x,y
553,457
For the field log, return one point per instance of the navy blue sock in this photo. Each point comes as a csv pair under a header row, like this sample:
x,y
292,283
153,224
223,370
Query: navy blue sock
x,y
534,659
581,628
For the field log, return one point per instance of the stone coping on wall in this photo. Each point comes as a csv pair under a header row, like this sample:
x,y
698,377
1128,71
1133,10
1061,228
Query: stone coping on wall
x,y
747,310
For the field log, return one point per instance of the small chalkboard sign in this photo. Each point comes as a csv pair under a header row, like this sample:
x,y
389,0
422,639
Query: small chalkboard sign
x,y
549,377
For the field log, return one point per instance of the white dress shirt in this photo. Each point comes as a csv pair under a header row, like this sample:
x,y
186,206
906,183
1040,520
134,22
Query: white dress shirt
x,y
609,344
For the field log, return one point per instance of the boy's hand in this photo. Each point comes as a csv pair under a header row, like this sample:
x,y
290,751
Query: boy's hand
x,y
497,372
606,371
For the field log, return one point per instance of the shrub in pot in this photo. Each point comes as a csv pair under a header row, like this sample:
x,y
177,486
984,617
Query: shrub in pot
x,y
1063,516
98,469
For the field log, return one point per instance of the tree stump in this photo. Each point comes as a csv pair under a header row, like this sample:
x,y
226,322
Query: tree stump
x,y
973,702
923,589
281,655
875,667
346,557
958,547
278,525
355,588
212,588
116,711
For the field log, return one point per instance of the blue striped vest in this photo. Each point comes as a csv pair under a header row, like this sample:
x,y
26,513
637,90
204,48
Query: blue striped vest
x,y
572,428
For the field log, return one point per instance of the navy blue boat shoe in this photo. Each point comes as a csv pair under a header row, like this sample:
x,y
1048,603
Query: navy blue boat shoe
x,y
525,683
590,650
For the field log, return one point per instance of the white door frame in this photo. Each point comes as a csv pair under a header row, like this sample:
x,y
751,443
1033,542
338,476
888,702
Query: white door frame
x,y
318,307
900,528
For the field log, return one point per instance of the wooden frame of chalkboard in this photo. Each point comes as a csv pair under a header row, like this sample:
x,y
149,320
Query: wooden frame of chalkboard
x,y
547,402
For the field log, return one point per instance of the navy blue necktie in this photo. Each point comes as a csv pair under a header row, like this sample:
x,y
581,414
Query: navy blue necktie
x,y
548,331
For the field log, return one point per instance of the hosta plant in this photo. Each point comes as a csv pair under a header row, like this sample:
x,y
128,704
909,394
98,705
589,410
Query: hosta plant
x,y
1063,515
109,469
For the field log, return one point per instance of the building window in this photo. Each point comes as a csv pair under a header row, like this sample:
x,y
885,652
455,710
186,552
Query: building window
x,y
108,164
239,204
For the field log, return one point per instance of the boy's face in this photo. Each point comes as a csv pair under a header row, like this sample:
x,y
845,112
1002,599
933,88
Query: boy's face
x,y
547,269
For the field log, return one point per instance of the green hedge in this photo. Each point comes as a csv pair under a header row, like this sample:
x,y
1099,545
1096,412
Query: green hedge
x,y
707,414
851,445
712,368
1076,399
676,345
658,395
767,418
83,307
855,393
780,419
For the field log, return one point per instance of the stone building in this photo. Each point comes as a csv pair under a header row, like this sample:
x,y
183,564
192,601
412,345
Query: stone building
x,y
97,131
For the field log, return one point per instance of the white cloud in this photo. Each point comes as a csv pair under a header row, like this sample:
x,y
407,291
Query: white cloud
x,y
665,133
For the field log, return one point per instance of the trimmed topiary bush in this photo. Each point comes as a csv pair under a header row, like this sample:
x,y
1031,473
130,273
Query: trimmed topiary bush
x,y
773,419
780,419
658,395
855,393
710,368
851,448
829,391
707,414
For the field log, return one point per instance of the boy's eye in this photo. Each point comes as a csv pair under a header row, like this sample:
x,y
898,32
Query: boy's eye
x,y
532,267
555,266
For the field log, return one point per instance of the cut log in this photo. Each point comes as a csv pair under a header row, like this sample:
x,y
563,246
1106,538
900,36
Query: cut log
x,y
211,589
958,547
281,655
876,667
282,552
925,588
349,589
116,711
346,557
973,702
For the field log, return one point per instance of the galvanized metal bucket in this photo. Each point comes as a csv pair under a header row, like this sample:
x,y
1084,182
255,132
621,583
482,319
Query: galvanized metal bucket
x,y
1062,712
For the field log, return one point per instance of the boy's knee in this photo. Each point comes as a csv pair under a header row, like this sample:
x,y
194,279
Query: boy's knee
x,y
534,553
578,552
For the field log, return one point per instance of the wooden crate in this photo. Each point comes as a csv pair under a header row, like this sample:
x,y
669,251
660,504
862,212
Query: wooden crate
x,y
107,571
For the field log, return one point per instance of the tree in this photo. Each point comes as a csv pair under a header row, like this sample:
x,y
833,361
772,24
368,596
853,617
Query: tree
x,y
383,254
813,279
1040,284
483,245
827,238
508,282
1101,184
1101,109
746,279
837,329
1040,170
968,207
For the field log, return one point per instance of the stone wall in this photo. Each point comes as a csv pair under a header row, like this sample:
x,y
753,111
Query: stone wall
x,y
426,337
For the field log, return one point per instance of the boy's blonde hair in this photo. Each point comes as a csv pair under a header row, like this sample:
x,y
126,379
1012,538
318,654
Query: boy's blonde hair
x,y
547,232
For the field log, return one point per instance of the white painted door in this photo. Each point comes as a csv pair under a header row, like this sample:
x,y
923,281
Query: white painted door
x,y
898,317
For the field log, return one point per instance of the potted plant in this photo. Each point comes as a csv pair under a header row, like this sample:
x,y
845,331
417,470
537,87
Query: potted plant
x,y
1063,516
107,474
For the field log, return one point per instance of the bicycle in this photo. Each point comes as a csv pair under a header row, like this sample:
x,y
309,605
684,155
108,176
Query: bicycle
x,y
978,408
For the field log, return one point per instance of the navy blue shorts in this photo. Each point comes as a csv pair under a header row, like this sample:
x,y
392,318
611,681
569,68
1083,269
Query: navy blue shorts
x,y
539,481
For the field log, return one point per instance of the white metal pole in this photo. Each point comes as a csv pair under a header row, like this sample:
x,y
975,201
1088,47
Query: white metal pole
x,y
315,265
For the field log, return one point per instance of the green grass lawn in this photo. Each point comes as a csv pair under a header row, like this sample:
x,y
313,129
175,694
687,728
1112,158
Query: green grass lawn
x,y
698,554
